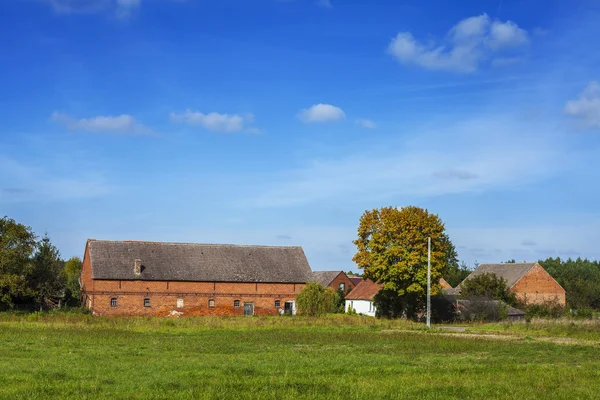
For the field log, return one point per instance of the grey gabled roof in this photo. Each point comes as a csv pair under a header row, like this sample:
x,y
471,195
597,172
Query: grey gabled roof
x,y
198,262
325,277
511,272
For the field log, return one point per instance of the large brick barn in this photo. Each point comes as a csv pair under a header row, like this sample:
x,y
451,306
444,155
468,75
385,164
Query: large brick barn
x,y
155,278
528,281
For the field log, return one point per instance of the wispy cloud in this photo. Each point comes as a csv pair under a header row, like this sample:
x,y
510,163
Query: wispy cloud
x,y
587,106
121,8
366,123
216,122
467,45
126,7
79,6
429,164
324,3
122,124
321,113
501,243
455,174
41,183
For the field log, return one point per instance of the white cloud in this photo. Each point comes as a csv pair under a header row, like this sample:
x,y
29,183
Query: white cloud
x,y
216,122
45,182
587,106
78,6
438,161
124,123
125,7
254,131
507,34
366,123
121,8
499,243
321,113
324,3
467,45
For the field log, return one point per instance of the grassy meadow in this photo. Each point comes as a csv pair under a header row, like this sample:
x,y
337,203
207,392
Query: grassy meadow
x,y
47,356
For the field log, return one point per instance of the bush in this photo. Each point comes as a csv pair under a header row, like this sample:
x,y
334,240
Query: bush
x,y
489,286
548,309
315,300
482,310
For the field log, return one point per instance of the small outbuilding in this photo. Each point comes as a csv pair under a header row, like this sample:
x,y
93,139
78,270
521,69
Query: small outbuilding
x,y
360,299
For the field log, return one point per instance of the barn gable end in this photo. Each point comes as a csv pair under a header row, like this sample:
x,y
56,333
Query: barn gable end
x,y
538,286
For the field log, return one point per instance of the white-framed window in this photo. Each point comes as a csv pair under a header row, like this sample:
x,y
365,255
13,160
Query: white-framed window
x,y
179,303
277,303
342,286
146,302
211,303
113,302
236,303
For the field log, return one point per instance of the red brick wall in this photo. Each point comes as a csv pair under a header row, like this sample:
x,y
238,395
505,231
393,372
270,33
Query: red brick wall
x,y
342,278
87,284
163,297
537,286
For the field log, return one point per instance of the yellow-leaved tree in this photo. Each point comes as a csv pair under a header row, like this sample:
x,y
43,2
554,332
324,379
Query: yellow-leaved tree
x,y
392,250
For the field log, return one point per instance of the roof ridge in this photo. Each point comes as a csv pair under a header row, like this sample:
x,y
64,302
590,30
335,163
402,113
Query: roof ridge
x,y
194,244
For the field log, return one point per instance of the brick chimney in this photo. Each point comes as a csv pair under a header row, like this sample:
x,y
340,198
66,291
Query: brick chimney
x,y
137,267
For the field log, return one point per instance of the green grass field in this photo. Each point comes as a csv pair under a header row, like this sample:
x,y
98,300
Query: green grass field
x,y
340,357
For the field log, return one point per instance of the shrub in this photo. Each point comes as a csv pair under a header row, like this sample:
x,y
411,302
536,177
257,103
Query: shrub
x,y
482,310
489,286
315,300
548,309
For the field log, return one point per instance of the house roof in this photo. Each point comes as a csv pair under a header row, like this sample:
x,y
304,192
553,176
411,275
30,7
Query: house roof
x,y
365,290
474,304
198,262
325,277
444,284
355,279
512,272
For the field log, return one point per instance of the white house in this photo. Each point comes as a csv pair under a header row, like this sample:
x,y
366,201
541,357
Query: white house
x,y
360,299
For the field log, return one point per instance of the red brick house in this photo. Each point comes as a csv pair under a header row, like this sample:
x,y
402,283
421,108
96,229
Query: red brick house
x,y
155,278
334,279
528,281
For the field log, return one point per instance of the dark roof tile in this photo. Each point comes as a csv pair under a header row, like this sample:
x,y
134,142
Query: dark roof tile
x,y
198,262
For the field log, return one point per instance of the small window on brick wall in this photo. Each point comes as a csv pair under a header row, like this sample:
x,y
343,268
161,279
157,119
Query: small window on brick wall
x,y
211,303
146,302
236,303
342,286
179,303
113,302
277,303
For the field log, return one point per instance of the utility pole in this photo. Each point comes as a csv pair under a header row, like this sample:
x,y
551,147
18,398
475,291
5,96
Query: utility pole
x,y
429,282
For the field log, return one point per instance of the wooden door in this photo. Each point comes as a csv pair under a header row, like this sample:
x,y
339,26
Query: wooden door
x,y
248,309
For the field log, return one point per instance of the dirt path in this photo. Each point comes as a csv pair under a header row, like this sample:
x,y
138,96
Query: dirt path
x,y
462,333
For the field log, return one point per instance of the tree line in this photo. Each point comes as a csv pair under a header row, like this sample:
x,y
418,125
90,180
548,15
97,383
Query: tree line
x,y
32,273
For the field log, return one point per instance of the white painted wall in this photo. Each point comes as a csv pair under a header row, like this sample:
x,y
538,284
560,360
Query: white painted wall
x,y
364,307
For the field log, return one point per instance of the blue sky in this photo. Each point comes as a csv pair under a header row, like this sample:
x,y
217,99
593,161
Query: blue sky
x,y
280,122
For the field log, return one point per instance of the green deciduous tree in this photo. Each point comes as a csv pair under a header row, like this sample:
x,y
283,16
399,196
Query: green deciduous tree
x,y
45,276
17,243
315,300
392,249
488,286
71,272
